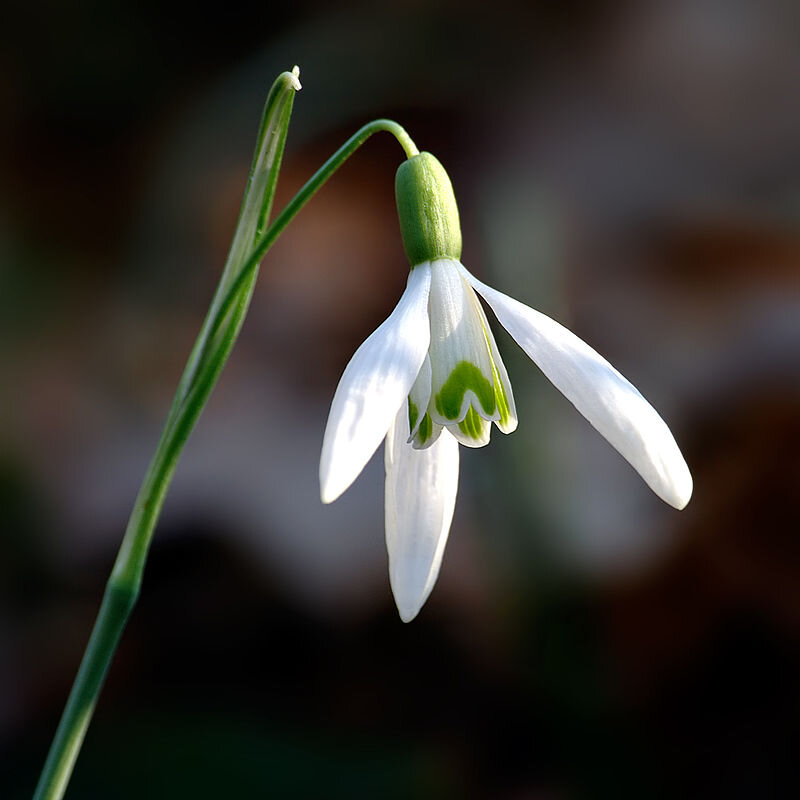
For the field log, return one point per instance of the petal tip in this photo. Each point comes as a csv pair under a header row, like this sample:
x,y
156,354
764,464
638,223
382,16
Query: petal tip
x,y
329,494
682,492
507,427
409,595
408,614
674,485
408,607
409,592
329,488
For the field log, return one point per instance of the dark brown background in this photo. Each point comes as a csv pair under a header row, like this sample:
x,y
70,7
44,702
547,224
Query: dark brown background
x,y
632,169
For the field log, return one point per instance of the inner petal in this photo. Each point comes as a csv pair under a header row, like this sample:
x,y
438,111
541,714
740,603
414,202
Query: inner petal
x,y
419,397
462,374
472,431
424,432
504,396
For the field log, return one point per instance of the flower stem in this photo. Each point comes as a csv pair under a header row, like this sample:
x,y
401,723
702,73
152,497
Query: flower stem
x,y
208,356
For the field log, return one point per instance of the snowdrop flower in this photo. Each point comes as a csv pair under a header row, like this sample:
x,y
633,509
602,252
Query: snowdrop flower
x,y
431,378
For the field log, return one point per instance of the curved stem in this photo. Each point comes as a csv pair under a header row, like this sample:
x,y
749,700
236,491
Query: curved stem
x,y
205,364
311,187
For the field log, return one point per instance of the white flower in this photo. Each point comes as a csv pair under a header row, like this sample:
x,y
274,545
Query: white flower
x,y
431,377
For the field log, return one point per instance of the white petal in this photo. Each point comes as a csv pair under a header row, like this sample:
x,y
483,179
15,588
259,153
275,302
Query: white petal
x,y
373,386
421,488
609,401
460,364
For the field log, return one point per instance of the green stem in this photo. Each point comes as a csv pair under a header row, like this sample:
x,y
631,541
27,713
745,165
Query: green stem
x,y
205,363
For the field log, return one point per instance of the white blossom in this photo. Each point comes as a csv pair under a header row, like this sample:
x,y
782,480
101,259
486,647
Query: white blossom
x,y
431,377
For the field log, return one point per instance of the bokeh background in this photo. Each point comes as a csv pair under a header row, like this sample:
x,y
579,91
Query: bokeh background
x,y
632,169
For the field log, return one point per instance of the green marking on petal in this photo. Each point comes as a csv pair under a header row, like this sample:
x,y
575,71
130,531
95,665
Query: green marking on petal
x,y
466,376
499,391
471,425
500,394
425,430
413,414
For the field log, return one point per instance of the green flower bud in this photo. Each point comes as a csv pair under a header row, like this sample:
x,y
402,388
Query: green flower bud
x,y
427,209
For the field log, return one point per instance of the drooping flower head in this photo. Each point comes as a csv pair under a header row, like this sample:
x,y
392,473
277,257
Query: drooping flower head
x,y
431,377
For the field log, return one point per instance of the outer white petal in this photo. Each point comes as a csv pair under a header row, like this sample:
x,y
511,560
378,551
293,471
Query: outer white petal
x,y
421,488
609,401
373,386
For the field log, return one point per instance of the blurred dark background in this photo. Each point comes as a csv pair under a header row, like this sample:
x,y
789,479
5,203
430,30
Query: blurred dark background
x,y
632,169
